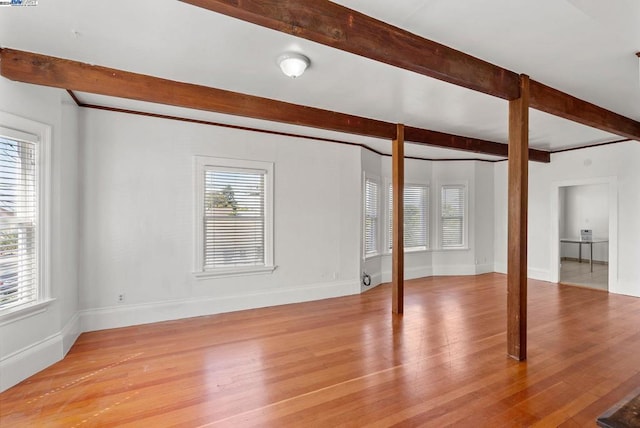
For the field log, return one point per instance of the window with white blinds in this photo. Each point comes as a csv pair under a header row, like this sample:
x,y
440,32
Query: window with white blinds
x,y
452,216
234,215
234,218
19,284
371,217
416,217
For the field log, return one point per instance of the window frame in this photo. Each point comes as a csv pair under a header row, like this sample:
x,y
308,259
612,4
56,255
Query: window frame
x,y
205,163
20,128
389,214
376,180
465,213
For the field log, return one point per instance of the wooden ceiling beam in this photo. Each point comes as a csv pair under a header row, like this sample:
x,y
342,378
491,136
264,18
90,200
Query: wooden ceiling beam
x,y
334,25
458,142
331,24
71,75
558,103
45,70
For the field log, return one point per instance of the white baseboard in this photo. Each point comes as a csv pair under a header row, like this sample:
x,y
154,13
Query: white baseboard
x,y
23,363
376,279
539,274
453,270
70,333
485,268
410,273
145,313
441,270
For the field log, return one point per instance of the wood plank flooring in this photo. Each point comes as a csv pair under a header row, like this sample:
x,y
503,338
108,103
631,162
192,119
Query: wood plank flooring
x,y
349,362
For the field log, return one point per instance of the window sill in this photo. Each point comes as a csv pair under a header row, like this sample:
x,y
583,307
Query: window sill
x,y
411,251
229,272
430,250
17,313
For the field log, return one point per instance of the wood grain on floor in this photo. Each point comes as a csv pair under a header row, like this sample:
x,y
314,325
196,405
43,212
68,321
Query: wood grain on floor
x,y
349,362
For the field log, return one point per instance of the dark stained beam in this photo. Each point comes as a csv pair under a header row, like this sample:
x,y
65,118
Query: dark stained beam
x,y
517,230
397,258
76,76
557,103
334,25
458,142
71,75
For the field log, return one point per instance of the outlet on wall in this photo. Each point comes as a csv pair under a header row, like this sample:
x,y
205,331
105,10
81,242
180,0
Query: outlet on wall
x,y
121,298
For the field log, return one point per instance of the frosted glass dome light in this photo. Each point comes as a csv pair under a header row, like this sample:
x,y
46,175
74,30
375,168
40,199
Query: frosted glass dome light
x,y
293,64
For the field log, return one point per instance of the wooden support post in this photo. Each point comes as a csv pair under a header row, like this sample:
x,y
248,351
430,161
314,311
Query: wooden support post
x,y
397,265
517,236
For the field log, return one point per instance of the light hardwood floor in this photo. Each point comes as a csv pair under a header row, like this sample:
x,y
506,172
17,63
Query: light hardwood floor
x,y
349,362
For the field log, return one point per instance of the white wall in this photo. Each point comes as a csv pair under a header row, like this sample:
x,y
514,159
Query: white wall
x,y
616,164
29,344
483,217
585,207
138,222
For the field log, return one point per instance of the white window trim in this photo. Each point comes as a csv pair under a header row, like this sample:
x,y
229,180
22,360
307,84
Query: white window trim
x,y
388,219
375,179
465,223
20,127
201,163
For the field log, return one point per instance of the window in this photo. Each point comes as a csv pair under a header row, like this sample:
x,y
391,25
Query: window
x,y
23,169
234,216
452,216
416,217
371,217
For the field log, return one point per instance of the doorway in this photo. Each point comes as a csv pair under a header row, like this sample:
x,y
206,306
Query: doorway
x,y
584,233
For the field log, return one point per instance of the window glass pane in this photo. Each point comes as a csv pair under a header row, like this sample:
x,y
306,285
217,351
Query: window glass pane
x,y
452,216
18,215
416,217
234,220
371,197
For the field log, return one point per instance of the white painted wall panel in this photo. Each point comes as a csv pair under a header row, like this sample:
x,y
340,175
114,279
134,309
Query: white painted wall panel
x,y
31,343
138,213
616,164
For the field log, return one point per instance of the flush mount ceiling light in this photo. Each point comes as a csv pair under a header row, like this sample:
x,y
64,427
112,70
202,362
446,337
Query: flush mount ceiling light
x,y
293,64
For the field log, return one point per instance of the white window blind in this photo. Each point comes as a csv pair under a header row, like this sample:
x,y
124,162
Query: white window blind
x,y
18,222
371,199
452,216
416,217
234,218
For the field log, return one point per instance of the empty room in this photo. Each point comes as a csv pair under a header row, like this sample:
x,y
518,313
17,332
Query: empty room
x,y
319,213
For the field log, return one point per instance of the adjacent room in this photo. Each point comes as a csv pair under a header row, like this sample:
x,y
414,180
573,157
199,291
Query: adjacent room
x,y
319,213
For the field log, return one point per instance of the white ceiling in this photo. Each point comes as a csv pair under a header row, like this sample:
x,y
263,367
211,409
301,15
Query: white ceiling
x,y
583,47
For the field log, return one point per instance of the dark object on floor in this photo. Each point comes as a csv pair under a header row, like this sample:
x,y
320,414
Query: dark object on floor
x,y
625,414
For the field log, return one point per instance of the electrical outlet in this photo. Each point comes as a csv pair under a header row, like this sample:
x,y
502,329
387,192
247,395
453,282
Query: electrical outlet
x,y
121,298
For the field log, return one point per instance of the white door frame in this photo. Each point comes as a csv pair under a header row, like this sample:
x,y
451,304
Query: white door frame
x,y
554,252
